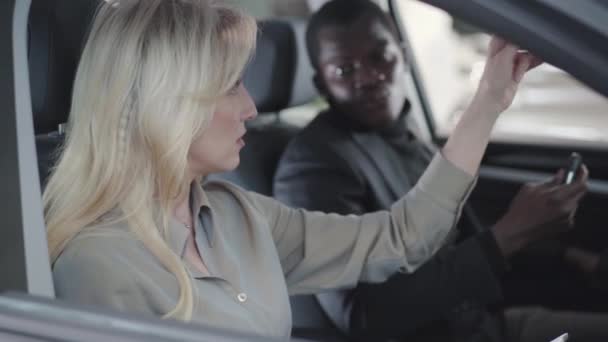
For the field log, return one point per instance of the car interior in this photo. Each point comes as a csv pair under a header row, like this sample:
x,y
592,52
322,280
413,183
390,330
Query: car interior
x,y
279,77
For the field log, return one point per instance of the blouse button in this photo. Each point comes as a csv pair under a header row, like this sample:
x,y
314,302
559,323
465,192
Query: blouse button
x,y
242,297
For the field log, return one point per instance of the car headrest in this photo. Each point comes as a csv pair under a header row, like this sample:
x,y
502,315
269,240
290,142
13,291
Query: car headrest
x,y
280,75
57,29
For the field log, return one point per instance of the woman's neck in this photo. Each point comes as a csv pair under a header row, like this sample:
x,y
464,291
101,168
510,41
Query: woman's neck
x,y
182,211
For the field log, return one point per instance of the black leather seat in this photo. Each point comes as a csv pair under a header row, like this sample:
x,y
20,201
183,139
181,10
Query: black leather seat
x,y
57,29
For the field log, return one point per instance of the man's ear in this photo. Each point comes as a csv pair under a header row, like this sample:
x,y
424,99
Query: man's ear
x,y
320,85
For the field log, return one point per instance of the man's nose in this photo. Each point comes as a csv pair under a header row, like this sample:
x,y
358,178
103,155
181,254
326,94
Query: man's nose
x,y
368,76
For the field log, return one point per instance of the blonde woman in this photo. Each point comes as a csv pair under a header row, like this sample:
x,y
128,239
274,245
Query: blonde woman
x,y
157,106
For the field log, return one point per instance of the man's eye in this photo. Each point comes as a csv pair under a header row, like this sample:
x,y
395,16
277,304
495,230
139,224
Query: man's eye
x,y
383,55
344,70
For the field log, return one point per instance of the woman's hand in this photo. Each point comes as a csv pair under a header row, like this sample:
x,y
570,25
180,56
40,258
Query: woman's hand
x,y
505,68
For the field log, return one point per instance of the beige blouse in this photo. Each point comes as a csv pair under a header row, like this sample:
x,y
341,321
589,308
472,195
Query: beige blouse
x,y
259,251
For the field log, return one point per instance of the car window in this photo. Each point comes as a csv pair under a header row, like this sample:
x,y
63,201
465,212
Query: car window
x,y
551,108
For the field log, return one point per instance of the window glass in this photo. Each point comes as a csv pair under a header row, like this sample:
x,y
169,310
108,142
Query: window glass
x,y
551,108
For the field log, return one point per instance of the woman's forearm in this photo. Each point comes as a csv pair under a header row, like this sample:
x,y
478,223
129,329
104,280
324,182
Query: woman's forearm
x,y
469,139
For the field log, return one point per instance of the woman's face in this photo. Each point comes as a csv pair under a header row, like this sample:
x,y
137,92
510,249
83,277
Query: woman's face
x,y
217,149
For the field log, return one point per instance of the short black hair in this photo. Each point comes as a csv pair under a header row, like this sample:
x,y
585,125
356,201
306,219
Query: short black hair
x,y
341,13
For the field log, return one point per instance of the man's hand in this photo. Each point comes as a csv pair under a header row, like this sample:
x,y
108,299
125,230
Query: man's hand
x,y
539,211
584,261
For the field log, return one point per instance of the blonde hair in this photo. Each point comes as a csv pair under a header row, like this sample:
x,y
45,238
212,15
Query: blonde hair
x,y
145,88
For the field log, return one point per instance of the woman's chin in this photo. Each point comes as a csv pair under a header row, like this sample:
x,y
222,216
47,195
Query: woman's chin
x,y
226,165
232,164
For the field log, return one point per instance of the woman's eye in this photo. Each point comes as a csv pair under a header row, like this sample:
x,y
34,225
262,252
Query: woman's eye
x,y
236,86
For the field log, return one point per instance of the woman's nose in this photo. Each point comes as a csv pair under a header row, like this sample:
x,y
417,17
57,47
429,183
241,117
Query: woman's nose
x,y
250,111
250,114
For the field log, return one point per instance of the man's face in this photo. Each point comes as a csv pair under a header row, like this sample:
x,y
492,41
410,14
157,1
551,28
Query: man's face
x,y
362,72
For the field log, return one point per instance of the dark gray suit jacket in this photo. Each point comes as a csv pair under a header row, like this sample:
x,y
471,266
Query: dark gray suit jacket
x,y
333,168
